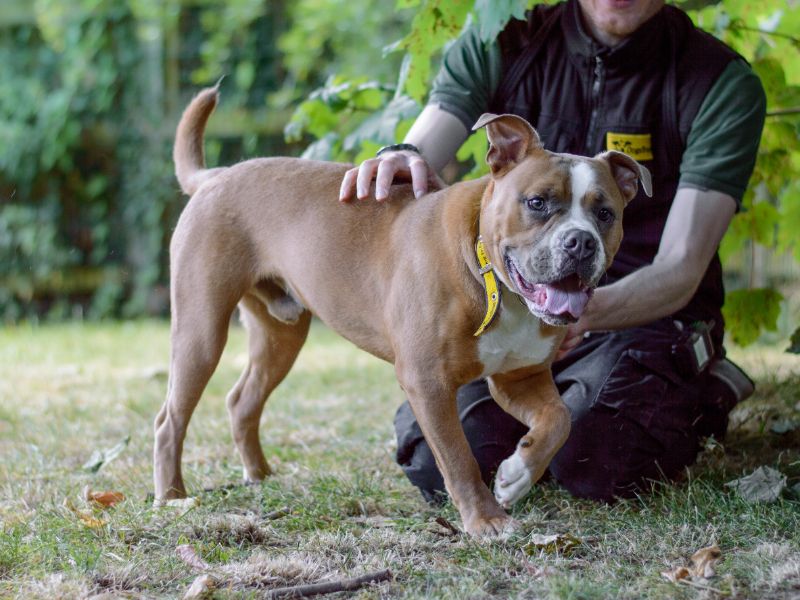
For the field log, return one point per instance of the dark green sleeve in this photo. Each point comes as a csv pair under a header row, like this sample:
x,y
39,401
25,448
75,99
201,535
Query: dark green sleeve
x,y
723,142
468,77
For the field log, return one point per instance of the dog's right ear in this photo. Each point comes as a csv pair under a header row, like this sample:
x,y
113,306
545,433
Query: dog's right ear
x,y
511,139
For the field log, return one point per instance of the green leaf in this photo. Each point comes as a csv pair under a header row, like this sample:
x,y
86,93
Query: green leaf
x,y
794,342
748,312
757,224
492,15
436,23
789,221
475,148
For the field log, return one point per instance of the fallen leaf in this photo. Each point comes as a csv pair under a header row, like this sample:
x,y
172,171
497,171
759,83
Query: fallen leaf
x,y
104,499
552,544
89,520
190,556
103,457
762,485
202,587
676,574
704,561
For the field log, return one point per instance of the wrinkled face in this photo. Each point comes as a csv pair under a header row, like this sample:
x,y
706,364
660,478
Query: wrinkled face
x,y
556,223
553,221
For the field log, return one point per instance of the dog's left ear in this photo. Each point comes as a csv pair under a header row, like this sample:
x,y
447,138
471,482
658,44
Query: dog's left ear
x,y
627,173
511,139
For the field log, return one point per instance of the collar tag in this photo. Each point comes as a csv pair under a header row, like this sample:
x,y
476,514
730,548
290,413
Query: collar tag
x,y
490,285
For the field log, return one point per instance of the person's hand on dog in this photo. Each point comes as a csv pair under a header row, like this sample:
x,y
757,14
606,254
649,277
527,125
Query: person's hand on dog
x,y
401,165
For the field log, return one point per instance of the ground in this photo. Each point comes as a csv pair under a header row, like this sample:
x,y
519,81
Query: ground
x,y
337,505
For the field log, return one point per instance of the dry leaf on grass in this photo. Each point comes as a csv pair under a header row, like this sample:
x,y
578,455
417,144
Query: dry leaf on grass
x,y
762,485
705,560
90,521
703,566
105,499
202,587
558,543
190,556
676,574
87,518
103,457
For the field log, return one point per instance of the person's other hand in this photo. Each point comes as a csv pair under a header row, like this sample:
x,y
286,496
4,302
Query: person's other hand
x,y
575,335
401,165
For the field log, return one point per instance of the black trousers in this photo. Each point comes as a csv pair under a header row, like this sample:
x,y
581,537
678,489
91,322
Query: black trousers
x,y
635,418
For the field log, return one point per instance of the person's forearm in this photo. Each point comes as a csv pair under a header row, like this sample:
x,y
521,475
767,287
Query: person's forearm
x,y
653,292
438,135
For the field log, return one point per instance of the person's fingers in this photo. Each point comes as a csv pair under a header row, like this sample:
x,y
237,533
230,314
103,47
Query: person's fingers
x,y
348,187
434,181
419,175
568,344
366,172
387,169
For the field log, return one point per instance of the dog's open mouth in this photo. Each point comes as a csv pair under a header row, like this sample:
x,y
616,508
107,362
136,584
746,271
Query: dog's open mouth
x,y
564,299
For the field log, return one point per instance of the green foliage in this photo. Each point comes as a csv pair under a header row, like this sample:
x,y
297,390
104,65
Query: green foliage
x,y
766,34
353,106
91,91
748,312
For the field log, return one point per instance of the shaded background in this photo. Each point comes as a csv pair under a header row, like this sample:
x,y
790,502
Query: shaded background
x,y
91,91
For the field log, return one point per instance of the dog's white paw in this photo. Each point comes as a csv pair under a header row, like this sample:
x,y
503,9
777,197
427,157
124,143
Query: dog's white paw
x,y
512,482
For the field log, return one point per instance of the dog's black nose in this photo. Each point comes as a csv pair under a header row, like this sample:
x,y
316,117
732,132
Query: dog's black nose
x,y
579,244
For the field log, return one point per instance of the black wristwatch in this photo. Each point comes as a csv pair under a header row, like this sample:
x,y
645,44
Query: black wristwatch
x,y
397,148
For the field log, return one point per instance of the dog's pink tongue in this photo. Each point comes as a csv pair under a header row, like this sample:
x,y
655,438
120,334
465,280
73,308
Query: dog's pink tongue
x,y
557,300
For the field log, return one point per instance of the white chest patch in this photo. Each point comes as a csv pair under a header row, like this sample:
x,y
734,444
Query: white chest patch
x,y
514,340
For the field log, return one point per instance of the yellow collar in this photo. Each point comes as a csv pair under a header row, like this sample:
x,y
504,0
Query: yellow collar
x,y
490,285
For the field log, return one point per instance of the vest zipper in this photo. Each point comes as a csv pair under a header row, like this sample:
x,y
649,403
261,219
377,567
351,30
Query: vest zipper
x,y
597,86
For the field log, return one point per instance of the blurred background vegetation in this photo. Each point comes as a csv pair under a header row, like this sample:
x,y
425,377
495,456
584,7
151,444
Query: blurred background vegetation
x,y
91,91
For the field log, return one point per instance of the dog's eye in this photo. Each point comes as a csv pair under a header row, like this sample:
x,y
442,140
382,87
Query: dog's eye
x,y
536,203
605,215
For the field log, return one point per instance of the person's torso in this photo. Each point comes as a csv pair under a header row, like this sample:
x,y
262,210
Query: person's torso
x,y
585,99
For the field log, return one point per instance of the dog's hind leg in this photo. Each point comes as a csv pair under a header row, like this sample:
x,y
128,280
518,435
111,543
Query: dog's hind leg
x,y
203,300
273,348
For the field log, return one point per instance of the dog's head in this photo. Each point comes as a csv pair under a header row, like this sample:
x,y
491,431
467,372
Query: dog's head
x,y
552,222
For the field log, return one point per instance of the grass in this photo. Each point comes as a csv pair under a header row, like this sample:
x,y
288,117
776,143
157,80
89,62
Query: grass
x,y
67,390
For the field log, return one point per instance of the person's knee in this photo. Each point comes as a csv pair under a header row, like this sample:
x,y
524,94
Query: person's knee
x,y
608,456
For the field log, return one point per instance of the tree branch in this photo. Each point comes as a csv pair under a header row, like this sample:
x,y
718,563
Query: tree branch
x,y
779,112
329,587
765,32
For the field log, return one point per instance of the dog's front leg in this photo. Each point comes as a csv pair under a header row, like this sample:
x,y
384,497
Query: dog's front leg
x,y
534,401
434,406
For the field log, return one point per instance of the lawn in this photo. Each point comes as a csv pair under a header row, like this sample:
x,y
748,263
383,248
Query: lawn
x,y
337,506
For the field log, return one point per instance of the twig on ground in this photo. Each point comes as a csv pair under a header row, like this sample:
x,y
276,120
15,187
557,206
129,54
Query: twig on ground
x,y
277,514
700,586
448,525
329,587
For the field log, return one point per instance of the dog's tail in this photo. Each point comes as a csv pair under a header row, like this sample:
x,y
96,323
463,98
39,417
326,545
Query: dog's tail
x,y
190,162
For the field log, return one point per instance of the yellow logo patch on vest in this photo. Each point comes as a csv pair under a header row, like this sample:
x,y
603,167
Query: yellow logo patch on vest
x,y
639,146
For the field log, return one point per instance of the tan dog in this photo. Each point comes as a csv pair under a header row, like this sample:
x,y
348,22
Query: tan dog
x,y
399,279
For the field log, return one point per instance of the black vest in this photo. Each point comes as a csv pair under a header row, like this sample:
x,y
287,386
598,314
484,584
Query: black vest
x,y
576,92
